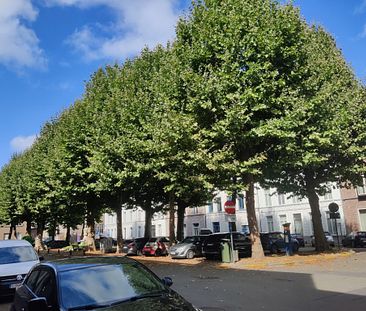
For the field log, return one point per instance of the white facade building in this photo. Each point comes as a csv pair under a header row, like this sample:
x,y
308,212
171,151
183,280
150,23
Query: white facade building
x,y
272,209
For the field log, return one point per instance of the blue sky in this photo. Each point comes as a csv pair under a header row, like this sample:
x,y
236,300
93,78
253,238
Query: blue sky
x,y
49,48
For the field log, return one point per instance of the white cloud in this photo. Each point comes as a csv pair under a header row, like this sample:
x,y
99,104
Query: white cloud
x,y
19,45
137,24
21,143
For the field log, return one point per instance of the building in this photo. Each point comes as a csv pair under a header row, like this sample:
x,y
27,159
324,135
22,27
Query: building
x,y
272,209
354,206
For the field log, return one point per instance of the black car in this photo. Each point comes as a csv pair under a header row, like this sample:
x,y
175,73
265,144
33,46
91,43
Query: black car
x,y
355,239
211,247
56,244
274,242
134,247
96,283
299,239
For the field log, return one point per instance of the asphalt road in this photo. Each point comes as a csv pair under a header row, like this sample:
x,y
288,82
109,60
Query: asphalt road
x,y
339,285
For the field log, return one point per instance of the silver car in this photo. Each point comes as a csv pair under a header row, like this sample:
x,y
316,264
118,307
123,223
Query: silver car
x,y
17,257
190,247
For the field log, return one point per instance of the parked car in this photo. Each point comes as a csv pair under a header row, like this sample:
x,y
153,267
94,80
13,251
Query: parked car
x,y
328,237
300,238
274,242
56,244
211,247
190,247
96,283
355,239
156,247
135,246
17,257
205,231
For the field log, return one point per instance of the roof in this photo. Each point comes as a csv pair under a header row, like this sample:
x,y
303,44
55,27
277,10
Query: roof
x,y
73,263
11,243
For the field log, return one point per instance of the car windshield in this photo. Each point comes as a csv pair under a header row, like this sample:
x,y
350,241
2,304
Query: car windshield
x,y
106,284
189,239
17,254
276,235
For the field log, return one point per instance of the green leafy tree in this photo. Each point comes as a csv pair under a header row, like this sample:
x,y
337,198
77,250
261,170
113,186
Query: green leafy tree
x,y
318,135
239,59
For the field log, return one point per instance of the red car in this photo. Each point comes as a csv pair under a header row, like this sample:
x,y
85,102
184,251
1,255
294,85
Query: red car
x,y
156,247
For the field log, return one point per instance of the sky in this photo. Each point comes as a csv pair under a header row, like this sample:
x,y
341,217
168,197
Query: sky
x,y
50,48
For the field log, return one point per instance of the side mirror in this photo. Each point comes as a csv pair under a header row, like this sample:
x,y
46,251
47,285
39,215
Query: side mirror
x,y
38,304
167,281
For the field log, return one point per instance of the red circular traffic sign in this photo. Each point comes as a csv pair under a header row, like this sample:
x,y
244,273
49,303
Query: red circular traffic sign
x,y
229,207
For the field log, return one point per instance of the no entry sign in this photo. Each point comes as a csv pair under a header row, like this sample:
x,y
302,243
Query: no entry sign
x,y
229,207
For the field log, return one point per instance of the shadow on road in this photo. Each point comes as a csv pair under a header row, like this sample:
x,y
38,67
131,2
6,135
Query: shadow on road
x,y
210,288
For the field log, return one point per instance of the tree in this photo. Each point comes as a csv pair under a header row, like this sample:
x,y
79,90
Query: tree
x,y
239,58
317,136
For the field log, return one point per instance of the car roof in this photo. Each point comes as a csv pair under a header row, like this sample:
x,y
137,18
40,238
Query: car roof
x,y
10,243
74,263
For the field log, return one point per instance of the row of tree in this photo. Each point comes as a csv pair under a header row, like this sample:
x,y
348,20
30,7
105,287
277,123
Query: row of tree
x,y
247,93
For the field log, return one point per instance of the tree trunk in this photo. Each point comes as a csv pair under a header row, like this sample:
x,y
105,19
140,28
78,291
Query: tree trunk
x,y
10,231
29,228
90,232
257,249
118,210
148,216
15,231
180,223
67,234
38,242
172,239
321,244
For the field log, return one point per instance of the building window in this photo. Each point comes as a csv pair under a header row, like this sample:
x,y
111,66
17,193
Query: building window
x,y
298,223
283,220
296,199
153,231
245,229
131,232
139,231
232,226
267,197
241,202
216,226
159,229
218,204
363,219
196,229
361,190
281,199
195,210
270,223
210,207
124,232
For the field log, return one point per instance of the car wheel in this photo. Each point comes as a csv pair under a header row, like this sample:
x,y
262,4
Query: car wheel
x,y
157,253
190,254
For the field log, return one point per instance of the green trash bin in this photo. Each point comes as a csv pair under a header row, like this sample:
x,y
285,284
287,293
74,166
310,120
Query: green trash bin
x,y
225,251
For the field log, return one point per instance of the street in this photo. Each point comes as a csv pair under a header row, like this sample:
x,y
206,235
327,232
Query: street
x,y
340,285
329,285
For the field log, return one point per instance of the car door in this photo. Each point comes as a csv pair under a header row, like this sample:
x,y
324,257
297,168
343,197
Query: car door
x,y
41,282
